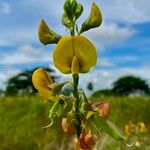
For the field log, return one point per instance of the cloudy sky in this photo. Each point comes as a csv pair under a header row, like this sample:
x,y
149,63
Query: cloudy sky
x,y
122,42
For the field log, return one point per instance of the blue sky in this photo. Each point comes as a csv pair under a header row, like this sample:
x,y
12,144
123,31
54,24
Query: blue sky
x,y
122,42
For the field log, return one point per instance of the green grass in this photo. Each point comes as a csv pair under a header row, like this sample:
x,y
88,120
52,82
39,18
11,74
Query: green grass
x,y
22,119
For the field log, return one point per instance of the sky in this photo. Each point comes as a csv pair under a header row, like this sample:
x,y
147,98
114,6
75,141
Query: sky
x,y
122,41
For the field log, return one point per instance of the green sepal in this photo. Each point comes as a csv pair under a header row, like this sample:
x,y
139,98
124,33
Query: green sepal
x,y
94,20
85,103
66,21
68,105
61,109
89,114
47,36
56,87
108,127
54,111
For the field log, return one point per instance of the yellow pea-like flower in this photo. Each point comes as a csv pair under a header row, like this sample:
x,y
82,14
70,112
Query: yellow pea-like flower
x,y
46,35
41,80
74,55
94,20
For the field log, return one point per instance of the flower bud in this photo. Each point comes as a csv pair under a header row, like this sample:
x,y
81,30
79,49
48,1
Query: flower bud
x,y
94,20
47,36
41,80
74,5
67,126
78,11
86,141
68,9
102,107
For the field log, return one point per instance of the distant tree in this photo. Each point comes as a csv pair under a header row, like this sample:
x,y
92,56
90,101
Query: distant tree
x,y
22,83
1,92
90,86
102,92
130,84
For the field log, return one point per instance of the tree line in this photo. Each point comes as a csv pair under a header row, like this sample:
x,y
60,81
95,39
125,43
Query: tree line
x,y
22,84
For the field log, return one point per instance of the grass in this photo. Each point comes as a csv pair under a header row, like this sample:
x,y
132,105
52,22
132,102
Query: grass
x,y
22,119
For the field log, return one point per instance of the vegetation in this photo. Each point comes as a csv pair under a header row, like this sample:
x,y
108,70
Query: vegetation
x,y
130,84
127,85
22,119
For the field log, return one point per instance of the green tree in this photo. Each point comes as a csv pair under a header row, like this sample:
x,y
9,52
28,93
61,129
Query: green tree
x,y
22,83
130,84
90,86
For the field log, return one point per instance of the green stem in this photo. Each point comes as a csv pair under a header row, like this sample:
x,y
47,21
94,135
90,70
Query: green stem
x,y
76,95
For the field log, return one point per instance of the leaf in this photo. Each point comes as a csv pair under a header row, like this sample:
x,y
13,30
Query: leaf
x,y
108,127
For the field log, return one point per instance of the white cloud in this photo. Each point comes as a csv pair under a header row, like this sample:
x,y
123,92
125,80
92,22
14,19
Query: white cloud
x,y
128,11
103,78
110,33
5,74
26,54
5,8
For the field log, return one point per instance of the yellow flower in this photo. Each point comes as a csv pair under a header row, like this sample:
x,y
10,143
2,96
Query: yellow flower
x,y
94,20
46,35
142,127
41,81
74,55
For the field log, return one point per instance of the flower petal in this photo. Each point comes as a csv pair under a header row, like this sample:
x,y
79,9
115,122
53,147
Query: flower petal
x,y
63,55
41,80
86,53
78,46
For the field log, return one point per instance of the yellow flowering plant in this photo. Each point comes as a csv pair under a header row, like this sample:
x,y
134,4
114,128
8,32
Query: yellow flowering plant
x,y
74,54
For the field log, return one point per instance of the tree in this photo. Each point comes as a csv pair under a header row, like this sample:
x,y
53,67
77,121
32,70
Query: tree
x,y
103,92
90,86
130,84
22,83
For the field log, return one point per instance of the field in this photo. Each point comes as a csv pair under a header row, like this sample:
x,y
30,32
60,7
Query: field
x,y
22,119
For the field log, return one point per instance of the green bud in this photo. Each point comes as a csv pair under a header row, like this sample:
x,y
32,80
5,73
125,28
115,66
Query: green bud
x,y
74,5
78,11
94,20
47,36
66,21
68,9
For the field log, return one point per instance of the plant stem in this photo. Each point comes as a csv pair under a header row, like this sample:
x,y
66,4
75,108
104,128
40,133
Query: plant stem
x,y
76,95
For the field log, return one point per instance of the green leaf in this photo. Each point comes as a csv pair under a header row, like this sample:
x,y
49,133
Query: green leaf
x,y
108,127
47,36
94,20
